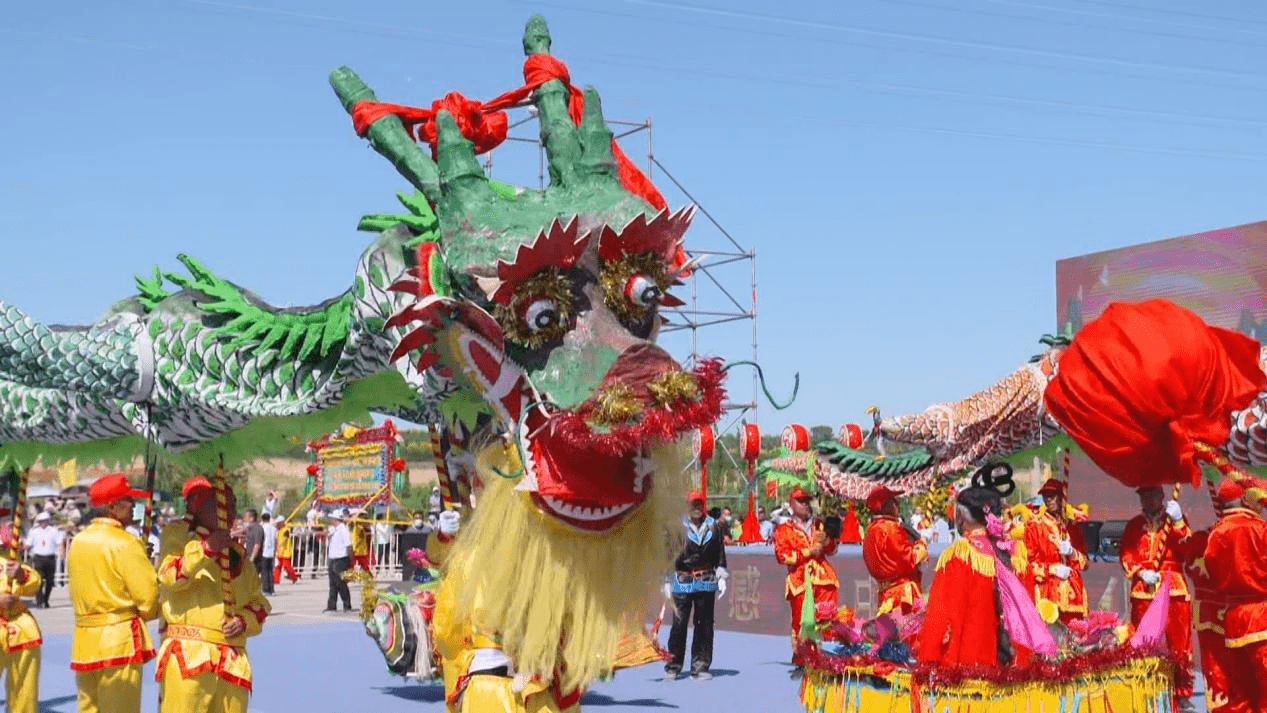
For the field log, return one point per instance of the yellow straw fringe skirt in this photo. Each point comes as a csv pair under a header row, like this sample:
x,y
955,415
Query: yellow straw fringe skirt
x,y
1141,686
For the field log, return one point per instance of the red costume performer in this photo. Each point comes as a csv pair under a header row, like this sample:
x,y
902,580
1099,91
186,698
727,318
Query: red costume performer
x,y
1152,547
801,544
1056,554
1234,557
962,622
1209,608
893,554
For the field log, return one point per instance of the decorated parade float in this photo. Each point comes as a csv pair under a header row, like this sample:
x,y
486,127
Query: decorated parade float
x,y
520,323
1152,395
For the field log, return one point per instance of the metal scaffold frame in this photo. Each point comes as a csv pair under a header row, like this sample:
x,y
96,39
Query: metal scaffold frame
x,y
713,301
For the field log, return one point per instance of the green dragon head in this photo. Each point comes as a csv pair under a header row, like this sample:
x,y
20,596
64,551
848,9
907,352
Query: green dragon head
x,y
546,303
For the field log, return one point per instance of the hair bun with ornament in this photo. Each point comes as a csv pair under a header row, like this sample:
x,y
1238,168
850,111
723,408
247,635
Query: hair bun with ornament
x,y
996,477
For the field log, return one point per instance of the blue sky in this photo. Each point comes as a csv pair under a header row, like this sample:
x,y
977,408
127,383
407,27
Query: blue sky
x,y
908,171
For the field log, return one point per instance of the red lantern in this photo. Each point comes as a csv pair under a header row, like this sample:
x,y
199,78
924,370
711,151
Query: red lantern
x,y
851,435
703,444
795,437
313,469
398,465
771,489
750,441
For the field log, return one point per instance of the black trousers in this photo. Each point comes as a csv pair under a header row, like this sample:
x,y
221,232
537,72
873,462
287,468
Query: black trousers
x,y
702,643
264,565
46,565
338,587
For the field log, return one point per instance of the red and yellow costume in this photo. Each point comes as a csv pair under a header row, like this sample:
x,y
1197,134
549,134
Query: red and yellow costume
x,y
1043,533
198,667
458,643
894,560
792,543
114,590
1209,608
20,641
361,547
1238,571
285,552
961,621
1158,545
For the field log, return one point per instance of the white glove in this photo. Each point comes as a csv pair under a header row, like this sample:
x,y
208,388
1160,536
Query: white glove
x,y
668,590
1065,547
1148,576
450,522
722,574
1174,511
1061,571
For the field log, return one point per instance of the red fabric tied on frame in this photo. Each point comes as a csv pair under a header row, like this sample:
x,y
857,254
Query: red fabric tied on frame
x,y
1143,382
485,123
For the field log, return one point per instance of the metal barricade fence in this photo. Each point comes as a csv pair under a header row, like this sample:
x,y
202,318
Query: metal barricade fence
x,y
310,557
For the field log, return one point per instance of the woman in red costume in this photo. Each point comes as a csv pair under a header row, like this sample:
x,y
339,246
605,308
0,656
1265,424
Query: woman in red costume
x,y
963,623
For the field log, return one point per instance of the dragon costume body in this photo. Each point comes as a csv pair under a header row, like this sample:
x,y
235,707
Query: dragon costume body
x,y
521,322
946,439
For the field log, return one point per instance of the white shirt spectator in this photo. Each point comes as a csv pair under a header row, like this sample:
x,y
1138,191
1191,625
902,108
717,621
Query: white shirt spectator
x,y
44,539
340,541
270,505
435,499
382,533
314,515
269,549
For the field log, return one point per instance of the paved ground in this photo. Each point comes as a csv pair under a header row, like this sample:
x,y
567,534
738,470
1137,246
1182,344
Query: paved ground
x,y
310,662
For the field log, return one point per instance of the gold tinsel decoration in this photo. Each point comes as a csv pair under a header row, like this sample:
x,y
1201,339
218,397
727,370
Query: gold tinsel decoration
x,y
617,272
369,592
616,404
673,387
548,284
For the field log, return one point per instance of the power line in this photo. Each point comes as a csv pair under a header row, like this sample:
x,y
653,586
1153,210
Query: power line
x,y
949,41
1066,23
1128,18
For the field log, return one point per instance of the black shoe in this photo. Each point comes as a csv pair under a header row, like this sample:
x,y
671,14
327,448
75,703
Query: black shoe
x,y
701,675
347,609
329,609
671,673
798,672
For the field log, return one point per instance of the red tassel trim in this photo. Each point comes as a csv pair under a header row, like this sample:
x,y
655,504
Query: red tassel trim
x,y
141,655
174,650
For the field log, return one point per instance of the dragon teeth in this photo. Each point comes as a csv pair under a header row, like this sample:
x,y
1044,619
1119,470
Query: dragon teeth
x,y
584,514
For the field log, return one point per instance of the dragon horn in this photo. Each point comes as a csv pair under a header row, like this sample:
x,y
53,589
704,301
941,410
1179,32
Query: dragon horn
x,y
462,181
597,160
558,131
388,136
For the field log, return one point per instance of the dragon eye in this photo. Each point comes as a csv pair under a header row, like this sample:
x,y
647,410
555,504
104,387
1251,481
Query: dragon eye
x,y
642,291
542,315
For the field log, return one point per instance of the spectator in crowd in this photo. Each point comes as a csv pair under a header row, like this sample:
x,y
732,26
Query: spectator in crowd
x,y
270,504
435,500
285,551
268,553
383,535
339,558
43,543
253,540
767,525
419,524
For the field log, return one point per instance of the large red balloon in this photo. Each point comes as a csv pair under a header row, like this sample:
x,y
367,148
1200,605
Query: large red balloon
x,y
1143,382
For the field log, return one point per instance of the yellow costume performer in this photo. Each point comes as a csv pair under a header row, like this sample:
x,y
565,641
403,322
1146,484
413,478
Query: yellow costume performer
x,y
114,590
202,664
20,638
547,577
